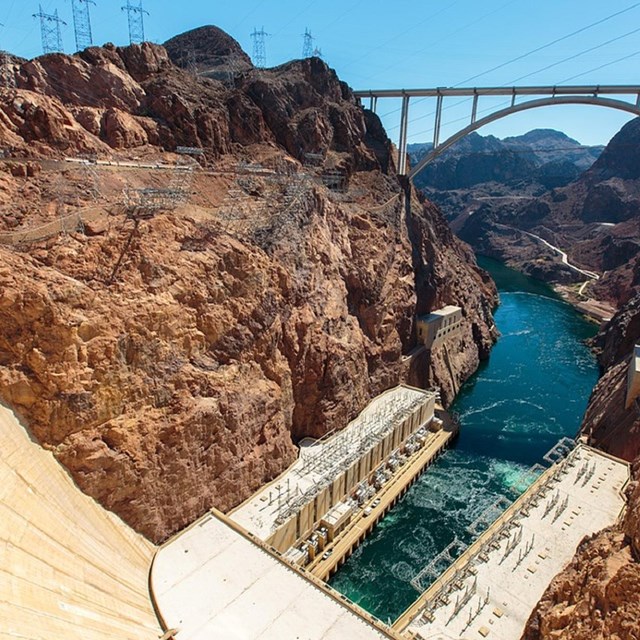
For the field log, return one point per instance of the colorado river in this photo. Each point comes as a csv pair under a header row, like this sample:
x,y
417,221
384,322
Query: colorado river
x,y
532,392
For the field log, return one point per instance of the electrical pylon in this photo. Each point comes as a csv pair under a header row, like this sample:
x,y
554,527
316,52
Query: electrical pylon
x,y
259,47
82,23
135,15
50,30
307,44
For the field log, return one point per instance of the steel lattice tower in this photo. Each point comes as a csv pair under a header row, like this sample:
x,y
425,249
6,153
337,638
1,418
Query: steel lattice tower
x,y
307,44
82,23
135,14
50,30
259,47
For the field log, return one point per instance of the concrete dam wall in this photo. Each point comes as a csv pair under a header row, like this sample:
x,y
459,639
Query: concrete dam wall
x,y
68,568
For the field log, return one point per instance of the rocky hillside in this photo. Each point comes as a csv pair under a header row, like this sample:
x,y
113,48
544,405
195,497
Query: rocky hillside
x,y
542,158
172,345
594,220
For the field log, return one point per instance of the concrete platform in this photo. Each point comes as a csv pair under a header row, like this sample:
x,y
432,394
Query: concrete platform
x,y
211,582
491,590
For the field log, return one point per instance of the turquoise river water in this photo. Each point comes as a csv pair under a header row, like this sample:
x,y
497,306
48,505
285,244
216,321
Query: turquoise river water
x,y
530,393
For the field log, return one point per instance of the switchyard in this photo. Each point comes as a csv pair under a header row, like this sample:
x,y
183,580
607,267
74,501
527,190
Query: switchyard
x,y
307,508
493,586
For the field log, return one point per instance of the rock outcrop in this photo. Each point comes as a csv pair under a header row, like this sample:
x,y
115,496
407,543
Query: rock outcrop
x,y
608,424
593,216
265,309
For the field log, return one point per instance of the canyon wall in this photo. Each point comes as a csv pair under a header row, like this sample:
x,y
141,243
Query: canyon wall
x,y
591,215
265,308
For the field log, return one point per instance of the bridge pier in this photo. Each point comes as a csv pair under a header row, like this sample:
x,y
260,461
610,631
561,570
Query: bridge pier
x,y
436,128
402,144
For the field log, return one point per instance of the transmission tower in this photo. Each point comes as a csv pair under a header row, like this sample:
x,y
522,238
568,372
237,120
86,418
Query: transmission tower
x,y
50,30
307,44
317,53
82,23
259,47
135,14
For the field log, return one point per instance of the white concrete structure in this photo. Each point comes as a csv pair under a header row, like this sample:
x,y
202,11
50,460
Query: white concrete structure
x,y
212,583
501,589
439,325
328,471
69,570
633,377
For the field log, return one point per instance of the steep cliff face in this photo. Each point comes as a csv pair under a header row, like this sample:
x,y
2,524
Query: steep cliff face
x,y
264,309
607,423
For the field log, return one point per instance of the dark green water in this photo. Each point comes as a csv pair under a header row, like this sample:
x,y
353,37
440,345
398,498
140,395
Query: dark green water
x,y
532,391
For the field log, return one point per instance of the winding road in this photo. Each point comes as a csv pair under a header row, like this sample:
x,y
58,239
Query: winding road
x,y
563,255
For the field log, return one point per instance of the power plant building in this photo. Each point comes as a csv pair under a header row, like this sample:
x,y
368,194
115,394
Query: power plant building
x,y
315,498
633,377
435,328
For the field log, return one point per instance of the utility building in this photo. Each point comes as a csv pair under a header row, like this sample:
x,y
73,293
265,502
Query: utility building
x,y
439,325
633,377
312,502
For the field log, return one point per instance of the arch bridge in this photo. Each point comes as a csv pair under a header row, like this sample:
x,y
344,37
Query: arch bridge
x,y
609,96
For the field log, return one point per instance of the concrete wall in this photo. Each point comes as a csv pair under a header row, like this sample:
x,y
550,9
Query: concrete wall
x,y
342,486
338,489
439,326
285,536
68,568
633,378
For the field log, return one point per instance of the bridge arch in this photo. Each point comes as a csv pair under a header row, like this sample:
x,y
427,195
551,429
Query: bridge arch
x,y
610,103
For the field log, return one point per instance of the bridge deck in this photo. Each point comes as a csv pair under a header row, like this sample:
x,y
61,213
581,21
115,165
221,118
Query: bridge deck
x,y
541,90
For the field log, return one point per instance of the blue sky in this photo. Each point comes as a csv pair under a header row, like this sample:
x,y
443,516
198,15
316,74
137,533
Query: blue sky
x,y
404,44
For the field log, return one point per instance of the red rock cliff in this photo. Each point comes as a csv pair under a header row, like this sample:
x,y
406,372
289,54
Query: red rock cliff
x,y
265,309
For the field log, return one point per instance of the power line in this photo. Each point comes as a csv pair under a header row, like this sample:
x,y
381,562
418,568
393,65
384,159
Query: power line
x,y
403,33
249,14
338,19
443,39
464,118
549,44
522,56
294,18
602,66
555,64
577,55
